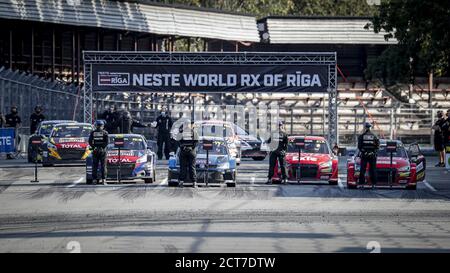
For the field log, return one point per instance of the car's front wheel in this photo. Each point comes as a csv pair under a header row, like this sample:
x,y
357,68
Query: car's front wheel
x,y
258,158
333,182
411,187
148,180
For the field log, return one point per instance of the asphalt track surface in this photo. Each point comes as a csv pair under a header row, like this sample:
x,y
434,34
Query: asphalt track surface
x,y
63,214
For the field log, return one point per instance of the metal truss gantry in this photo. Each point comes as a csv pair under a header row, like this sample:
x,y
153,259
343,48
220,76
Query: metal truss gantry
x,y
91,58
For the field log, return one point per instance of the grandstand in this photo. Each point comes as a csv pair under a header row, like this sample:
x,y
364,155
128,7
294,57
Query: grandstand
x,y
45,40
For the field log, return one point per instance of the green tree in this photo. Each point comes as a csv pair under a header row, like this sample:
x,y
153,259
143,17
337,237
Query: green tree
x,y
422,29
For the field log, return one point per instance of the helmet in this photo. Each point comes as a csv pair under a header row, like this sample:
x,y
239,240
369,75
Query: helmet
x,y
99,123
280,123
38,108
367,125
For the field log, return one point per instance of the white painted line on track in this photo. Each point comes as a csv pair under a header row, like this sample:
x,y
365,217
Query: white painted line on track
x,y
75,182
340,181
162,183
428,185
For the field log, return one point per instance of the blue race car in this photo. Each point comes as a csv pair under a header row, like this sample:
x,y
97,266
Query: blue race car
x,y
221,170
136,157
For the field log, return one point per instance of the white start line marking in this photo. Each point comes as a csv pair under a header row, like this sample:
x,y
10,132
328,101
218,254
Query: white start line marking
x,y
75,182
429,186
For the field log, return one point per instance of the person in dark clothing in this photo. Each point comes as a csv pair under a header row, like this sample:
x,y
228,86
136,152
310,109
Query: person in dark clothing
x,y
439,138
98,140
127,123
368,145
279,153
111,116
164,125
36,118
13,120
2,120
446,130
187,156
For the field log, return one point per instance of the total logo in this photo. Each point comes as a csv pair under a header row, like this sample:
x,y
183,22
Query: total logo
x,y
71,146
116,160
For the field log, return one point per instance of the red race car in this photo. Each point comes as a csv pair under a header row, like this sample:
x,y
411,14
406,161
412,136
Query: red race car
x,y
317,162
408,167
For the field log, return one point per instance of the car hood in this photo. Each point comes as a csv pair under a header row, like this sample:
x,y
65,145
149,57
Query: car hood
x,y
385,162
308,158
70,142
126,156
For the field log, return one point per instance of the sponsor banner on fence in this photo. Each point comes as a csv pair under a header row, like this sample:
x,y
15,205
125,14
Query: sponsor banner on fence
x,y
7,144
209,78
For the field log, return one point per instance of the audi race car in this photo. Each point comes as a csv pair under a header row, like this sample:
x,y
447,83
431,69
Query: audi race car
x,y
137,160
251,146
408,167
44,129
68,143
221,169
317,162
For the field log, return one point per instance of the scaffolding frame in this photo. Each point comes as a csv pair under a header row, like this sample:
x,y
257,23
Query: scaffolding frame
x,y
329,59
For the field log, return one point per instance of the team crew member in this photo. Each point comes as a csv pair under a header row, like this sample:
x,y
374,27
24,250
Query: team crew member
x,y
127,123
164,125
278,154
36,118
111,117
446,130
2,120
13,120
98,140
188,155
368,144
439,138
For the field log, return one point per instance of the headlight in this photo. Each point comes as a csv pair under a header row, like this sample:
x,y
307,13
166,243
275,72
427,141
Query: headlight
x,y
223,163
327,164
404,169
264,147
142,159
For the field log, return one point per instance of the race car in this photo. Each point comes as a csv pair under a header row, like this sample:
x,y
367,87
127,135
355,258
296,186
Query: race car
x,y
317,162
44,129
68,143
224,130
251,146
137,160
408,167
221,170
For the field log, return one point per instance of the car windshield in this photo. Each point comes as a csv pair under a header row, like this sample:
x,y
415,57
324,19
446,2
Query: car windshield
x,y
401,152
311,146
219,148
214,130
46,129
71,130
239,131
130,143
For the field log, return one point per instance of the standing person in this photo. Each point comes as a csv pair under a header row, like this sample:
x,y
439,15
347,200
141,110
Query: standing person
x,y
2,120
98,140
368,144
36,118
188,154
127,123
446,129
278,154
439,138
13,120
164,124
111,117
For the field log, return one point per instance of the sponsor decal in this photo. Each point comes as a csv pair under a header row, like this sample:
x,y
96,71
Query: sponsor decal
x,y
419,167
113,79
80,140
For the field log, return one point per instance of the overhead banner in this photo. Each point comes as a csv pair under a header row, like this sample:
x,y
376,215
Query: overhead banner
x,y
209,78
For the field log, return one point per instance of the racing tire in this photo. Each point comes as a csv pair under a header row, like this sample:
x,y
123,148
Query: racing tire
x,y
173,184
47,165
333,183
148,180
411,188
89,181
231,185
352,187
258,158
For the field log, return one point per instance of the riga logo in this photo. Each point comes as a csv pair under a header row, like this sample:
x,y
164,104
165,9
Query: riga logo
x,y
113,79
